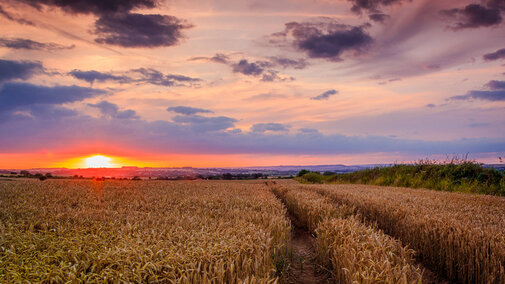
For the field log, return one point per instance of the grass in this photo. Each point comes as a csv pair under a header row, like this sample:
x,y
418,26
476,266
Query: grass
x,y
460,176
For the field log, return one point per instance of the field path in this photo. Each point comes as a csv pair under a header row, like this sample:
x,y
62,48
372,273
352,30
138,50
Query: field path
x,y
304,267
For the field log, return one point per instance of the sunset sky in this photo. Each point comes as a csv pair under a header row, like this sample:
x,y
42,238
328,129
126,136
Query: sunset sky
x,y
250,82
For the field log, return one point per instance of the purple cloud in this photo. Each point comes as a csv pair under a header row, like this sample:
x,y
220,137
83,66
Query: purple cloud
x,y
474,16
326,95
499,54
12,69
188,110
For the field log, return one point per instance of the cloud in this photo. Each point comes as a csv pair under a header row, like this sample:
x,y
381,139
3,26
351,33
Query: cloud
x,y
209,135
431,105
93,6
493,96
155,77
21,43
256,68
116,25
285,62
264,127
266,96
326,95
324,39
378,17
21,95
247,68
92,76
309,131
8,16
496,85
499,54
497,93
218,58
112,110
139,30
140,75
497,4
11,69
188,110
474,16
371,5
202,123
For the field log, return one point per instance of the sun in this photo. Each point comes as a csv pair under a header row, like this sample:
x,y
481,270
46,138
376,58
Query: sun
x,y
98,161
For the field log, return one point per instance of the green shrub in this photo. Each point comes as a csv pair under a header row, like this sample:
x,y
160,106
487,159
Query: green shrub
x,y
464,176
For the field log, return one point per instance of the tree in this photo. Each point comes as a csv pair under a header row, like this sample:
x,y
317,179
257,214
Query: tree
x,y
302,172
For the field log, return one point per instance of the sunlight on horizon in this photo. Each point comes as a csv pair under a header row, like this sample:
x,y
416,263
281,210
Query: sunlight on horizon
x,y
98,161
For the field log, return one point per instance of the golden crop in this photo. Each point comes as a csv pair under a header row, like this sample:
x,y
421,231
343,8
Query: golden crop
x,y
357,253
363,254
140,231
459,236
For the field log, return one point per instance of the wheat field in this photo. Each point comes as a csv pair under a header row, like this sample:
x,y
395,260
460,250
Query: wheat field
x,y
140,231
60,231
354,252
459,236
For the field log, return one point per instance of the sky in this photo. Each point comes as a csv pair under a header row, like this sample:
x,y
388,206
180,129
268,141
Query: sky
x,y
216,83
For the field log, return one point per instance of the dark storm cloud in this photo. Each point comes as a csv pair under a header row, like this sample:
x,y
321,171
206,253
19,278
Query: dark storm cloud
x,y
264,127
371,5
11,69
379,17
499,54
326,39
138,30
21,43
93,6
324,96
474,16
188,110
19,95
112,110
92,76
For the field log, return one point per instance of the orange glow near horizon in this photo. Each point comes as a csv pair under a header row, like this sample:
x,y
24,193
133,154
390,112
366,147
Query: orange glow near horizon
x,y
78,159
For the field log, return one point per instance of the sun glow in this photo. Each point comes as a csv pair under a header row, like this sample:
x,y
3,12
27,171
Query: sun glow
x,y
98,161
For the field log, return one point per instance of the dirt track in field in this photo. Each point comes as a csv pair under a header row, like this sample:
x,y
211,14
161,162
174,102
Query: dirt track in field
x,y
304,267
